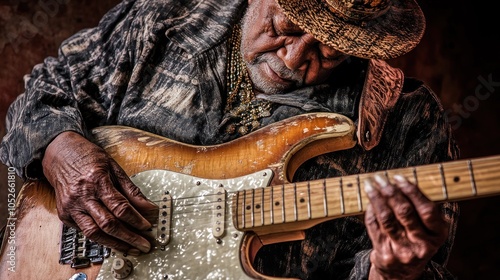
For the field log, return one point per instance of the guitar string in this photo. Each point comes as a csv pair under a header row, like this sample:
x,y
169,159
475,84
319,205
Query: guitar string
x,y
180,208
421,174
232,194
229,202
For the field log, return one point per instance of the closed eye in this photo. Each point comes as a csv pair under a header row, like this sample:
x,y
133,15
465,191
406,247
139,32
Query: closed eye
x,y
332,58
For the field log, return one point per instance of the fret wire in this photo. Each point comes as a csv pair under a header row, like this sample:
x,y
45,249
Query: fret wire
x,y
262,207
283,203
309,199
415,177
252,204
237,202
272,205
295,210
342,206
243,207
445,189
472,179
360,202
325,198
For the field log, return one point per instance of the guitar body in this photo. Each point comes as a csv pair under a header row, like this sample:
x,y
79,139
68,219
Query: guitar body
x,y
33,250
30,248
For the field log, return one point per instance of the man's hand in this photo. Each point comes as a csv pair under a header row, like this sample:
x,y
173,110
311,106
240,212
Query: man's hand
x,y
95,195
405,227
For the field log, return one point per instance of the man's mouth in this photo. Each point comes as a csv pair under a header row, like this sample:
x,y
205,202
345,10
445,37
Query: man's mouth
x,y
276,77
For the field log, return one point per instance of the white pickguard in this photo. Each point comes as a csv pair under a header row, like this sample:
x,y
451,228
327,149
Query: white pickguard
x,y
192,252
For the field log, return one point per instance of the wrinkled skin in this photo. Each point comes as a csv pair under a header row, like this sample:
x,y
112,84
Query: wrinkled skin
x,y
279,56
95,195
405,227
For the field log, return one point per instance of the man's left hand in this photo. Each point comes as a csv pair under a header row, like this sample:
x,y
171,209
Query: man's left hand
x,y
405,227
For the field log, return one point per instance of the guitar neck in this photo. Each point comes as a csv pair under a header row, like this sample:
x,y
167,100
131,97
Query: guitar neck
x,y
345,196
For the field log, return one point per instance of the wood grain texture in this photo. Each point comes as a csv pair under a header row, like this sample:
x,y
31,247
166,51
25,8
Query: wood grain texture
x,y
35,253
282,146
282,207
38,228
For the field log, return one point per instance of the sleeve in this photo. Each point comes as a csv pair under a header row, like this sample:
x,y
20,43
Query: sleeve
x,y
435,144
419,133
416,133
71,92
425,134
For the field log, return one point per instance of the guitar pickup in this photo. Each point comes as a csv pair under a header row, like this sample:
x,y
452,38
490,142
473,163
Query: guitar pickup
x,y
219,213
164,220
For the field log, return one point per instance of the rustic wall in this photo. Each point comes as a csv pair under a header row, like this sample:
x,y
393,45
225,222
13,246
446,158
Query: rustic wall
x,y
454,59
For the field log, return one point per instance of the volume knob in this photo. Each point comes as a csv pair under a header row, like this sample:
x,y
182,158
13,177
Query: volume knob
x,y
121,268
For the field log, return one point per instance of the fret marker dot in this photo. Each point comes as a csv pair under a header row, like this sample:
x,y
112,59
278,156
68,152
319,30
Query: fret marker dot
x,y
456,179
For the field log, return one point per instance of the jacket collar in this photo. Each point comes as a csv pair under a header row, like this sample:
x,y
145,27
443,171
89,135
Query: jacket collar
x,y
381,90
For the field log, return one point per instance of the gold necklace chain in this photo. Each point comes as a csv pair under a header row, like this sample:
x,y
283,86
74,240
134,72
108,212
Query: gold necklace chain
x,y
242,107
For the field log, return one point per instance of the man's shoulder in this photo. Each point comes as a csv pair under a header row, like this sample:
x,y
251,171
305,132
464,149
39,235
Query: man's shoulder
x,y
417,89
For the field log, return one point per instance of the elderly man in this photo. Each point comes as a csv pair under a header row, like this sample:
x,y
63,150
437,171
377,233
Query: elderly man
x,y
207,72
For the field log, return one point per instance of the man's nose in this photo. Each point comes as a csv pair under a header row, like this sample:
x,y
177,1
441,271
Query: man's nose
x,y
298,52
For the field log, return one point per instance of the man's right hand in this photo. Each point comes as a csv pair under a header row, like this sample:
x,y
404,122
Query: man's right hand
x,y
95,195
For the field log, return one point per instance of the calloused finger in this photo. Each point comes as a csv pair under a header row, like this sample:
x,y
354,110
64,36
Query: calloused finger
x,y
401,205
146,207
385,216
91,230
66,217
113,227
428,211
119,206
372,226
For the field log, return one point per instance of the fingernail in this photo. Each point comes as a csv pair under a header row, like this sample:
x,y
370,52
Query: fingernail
x,y
368,186
401,181
146,225
400,178
382,181
145,247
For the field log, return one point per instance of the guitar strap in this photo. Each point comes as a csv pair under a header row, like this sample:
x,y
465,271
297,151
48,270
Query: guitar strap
x,y
382,88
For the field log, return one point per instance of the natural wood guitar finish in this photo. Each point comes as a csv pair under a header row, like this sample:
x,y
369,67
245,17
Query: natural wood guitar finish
x,y
282,146
266,215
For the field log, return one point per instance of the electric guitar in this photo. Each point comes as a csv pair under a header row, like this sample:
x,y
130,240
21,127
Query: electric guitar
x,y
218,205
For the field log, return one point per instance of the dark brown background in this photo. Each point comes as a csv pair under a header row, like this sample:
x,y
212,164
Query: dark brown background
x,y
459,50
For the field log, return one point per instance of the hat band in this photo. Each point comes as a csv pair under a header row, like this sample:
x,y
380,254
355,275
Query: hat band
x,y
347,12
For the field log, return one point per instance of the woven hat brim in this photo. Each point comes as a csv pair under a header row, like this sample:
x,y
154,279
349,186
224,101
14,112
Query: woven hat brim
x,y
393,34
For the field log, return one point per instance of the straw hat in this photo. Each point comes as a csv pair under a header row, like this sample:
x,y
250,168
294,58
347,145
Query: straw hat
x,y
381,29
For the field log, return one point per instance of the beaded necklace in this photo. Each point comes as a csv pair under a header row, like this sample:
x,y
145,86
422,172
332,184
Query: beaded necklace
x,y
243,109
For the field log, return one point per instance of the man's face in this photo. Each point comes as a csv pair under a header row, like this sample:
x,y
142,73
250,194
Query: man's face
x,y
280,57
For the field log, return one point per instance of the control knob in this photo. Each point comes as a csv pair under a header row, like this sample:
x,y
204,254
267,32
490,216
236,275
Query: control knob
x,y
121,268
